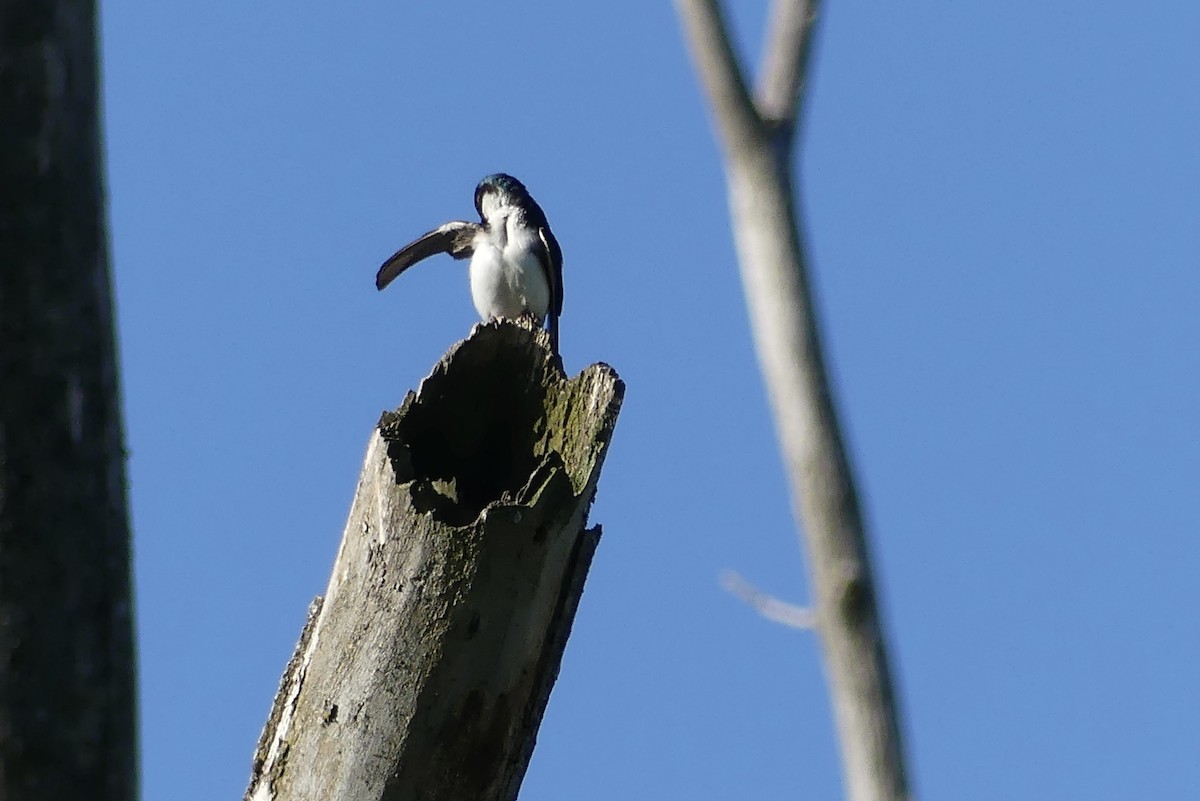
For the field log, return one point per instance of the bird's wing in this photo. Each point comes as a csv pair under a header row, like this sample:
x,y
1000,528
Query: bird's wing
x,y
553,267
456,238
551,258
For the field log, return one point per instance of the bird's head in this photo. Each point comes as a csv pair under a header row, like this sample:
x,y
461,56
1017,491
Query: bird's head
x,y
499,191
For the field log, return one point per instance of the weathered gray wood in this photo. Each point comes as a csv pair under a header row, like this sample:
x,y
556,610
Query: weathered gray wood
x,y
68,725
758,137
424,671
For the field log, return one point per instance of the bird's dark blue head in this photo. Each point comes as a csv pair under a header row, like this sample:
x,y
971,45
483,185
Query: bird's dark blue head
x,y
510,190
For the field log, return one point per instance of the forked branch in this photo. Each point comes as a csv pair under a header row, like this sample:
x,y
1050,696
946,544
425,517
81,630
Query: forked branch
x,y
757,138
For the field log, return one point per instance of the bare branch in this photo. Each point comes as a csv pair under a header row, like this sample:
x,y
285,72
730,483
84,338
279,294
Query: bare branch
x,y
712,53
785,63
783,316
770,607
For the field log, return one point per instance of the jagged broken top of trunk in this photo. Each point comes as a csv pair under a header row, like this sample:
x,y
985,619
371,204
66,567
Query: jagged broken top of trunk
x,y
498,422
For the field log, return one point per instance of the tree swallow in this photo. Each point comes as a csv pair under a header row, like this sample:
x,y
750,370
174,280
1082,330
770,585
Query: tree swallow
x,y
516,263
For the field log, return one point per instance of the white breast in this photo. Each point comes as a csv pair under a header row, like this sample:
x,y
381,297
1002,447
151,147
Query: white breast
x,y
508,281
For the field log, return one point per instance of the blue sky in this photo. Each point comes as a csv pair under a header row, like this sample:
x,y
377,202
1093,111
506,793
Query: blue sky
x,y
1003,201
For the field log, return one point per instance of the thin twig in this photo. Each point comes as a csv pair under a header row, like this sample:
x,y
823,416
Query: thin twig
x,y
770,607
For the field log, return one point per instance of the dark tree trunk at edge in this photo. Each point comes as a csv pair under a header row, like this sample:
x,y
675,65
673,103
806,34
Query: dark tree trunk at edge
x,y
67,697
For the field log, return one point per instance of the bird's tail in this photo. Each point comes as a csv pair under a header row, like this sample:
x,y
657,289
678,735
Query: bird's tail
x,y
553,326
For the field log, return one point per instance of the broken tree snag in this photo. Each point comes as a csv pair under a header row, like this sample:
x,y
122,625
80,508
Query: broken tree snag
x,y
425,670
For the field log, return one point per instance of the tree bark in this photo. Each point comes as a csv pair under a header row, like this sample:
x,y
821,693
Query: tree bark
x,y
758,136
424,670
67,703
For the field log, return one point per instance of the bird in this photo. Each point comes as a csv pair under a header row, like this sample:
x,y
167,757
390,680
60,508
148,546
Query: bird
x,y
516,263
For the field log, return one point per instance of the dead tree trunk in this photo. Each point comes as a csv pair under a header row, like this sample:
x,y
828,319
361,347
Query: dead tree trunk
x,y
424,671
67,711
